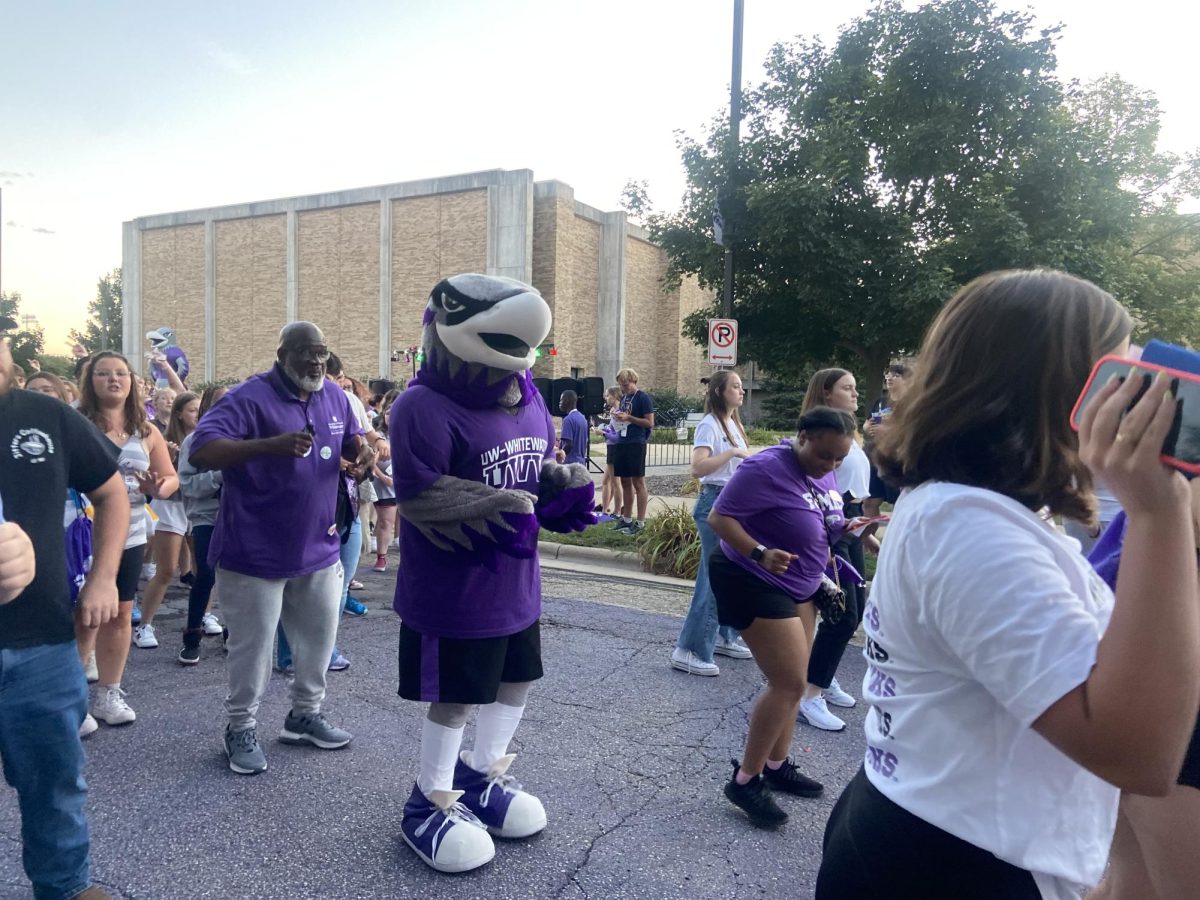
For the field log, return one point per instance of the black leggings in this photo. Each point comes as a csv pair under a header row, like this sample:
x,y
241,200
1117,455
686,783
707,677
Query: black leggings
x,y
201,587
831,640
875,849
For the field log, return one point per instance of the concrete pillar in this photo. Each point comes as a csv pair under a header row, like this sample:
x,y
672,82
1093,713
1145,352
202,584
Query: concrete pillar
x,y
385,287
131,295
510,226
292,266
210,300
610,308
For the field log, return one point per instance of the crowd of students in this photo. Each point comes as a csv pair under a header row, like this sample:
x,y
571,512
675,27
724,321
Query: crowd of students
x,y
1010,733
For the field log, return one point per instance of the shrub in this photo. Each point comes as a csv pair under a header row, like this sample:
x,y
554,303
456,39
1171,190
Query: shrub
x,y
670,544
671,408
671,436
762,437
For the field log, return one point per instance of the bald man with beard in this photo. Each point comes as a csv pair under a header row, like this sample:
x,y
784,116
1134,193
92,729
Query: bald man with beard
x,y
278,439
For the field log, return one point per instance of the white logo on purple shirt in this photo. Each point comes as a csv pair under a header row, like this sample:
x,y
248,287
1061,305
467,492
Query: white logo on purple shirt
x,y
514,463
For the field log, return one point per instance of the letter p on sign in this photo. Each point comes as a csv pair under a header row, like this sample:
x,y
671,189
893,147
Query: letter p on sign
x,y
722,342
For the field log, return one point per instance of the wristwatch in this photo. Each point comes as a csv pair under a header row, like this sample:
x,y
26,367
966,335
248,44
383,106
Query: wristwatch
x,y
757,553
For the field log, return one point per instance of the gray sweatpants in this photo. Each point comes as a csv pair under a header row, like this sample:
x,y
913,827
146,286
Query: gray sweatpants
x,y
309,607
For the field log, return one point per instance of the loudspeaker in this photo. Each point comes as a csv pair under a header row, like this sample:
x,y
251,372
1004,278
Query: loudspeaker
x,y
591,399
563,384
542,386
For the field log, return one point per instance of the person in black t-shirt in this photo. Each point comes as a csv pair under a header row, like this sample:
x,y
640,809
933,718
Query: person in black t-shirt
x,y
46,447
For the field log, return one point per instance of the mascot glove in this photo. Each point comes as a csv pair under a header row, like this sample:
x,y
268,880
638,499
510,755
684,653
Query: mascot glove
x,y
570,510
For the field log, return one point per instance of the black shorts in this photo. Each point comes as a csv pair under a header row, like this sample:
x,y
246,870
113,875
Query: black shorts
x,y
129,571
743,597
1190,775
874,848
609,455
629,460
385,502
466,670
881,490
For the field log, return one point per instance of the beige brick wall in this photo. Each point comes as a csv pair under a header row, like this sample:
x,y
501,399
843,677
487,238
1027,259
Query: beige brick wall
x,y
546,276
432,238
650,316
577,291
173,290
251,293
692,359
337,264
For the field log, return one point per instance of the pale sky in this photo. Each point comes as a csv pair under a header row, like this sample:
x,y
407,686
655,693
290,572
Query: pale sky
x,y
116,110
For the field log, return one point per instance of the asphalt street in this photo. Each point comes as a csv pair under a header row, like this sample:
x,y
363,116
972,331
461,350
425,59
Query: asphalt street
x,y
628,756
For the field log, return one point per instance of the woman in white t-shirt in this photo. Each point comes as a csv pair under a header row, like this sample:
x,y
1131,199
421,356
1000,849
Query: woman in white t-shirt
x,y
1007,687
718,448
837,388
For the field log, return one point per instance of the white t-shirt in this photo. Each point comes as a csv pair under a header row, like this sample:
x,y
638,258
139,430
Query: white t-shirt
x,y
854,474
981,617
360,412
710,434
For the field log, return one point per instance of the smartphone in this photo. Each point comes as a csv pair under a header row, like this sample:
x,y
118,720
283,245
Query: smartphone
x,y
1181,449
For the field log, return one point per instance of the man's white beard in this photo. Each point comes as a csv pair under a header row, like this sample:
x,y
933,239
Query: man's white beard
x,y
312,385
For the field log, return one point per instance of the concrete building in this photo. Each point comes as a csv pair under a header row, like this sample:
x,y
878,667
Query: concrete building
x,y
360,263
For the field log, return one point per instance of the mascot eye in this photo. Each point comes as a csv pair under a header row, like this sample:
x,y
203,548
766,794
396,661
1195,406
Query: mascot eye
x,y
450,305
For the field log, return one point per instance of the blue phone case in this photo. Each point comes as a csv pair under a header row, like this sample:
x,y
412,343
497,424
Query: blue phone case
x,y
1172,356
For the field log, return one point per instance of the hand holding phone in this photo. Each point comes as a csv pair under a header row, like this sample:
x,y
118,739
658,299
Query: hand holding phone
x,y
1125,424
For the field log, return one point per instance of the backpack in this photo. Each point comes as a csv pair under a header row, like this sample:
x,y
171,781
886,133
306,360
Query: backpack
x,y
79,546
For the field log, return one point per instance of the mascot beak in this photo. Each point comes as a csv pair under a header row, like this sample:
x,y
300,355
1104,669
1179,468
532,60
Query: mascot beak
x,y
505,336
155,338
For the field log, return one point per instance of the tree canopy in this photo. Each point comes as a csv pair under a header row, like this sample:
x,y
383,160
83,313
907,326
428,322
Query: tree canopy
x,y
25,340
925,147
103,328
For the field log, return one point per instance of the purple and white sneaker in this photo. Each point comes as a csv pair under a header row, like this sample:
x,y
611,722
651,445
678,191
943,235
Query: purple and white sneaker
x,y
497,800
444,833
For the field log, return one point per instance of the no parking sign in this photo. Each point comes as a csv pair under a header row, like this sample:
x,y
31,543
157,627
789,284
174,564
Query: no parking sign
x,y
722,342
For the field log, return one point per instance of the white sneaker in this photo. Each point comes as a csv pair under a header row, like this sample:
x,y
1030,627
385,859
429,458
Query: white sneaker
x,y
735,649
89,726
835,696
143,636
687,661
90,671
817,714
110,706
212,627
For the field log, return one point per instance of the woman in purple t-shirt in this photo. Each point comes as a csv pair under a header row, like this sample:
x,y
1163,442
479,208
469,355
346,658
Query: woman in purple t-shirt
x,y
778,519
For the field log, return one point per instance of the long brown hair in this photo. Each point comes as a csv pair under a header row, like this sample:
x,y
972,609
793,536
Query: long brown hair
x,y
89,402
818,386
174,432
211,395
53,380
990,404
715,405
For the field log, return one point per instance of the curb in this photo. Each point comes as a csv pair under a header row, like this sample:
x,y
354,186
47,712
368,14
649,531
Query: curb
x,y
596,556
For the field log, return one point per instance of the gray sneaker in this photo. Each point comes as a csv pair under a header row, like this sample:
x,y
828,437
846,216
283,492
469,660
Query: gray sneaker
x,y
245,756
313,728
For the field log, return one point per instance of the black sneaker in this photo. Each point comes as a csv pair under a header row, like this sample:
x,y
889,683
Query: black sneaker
x,y
755,800
790,780
189,656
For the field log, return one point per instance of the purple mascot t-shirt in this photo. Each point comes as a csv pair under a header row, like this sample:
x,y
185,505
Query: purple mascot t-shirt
x,y
458,593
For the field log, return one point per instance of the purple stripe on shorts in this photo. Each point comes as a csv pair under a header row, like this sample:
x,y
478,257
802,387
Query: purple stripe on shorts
x,y
429,668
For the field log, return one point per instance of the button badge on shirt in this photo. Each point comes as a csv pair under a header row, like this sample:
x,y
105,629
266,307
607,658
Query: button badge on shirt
x,y
326,453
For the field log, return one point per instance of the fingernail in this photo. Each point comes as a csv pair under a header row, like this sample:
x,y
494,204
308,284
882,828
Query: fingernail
x,y
1113,377
1133,370
1161,376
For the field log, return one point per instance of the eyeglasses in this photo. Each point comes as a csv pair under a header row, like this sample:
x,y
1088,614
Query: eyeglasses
x,y
318,353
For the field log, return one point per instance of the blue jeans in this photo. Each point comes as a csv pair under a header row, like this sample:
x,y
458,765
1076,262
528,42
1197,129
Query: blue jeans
x,y
43,699
699,633
351,548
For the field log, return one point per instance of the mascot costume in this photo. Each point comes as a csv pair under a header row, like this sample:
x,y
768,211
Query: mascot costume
x,y
475,477
164,351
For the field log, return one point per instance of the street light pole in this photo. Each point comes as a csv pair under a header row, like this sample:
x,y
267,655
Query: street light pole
x,y
735,122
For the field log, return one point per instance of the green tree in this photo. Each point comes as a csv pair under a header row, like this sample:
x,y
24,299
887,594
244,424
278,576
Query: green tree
x,y
103,328
923,148
25,340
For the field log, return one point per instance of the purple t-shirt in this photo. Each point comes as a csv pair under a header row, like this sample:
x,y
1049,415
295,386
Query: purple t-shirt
x,y
452,593
575,431
783,508
277,513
